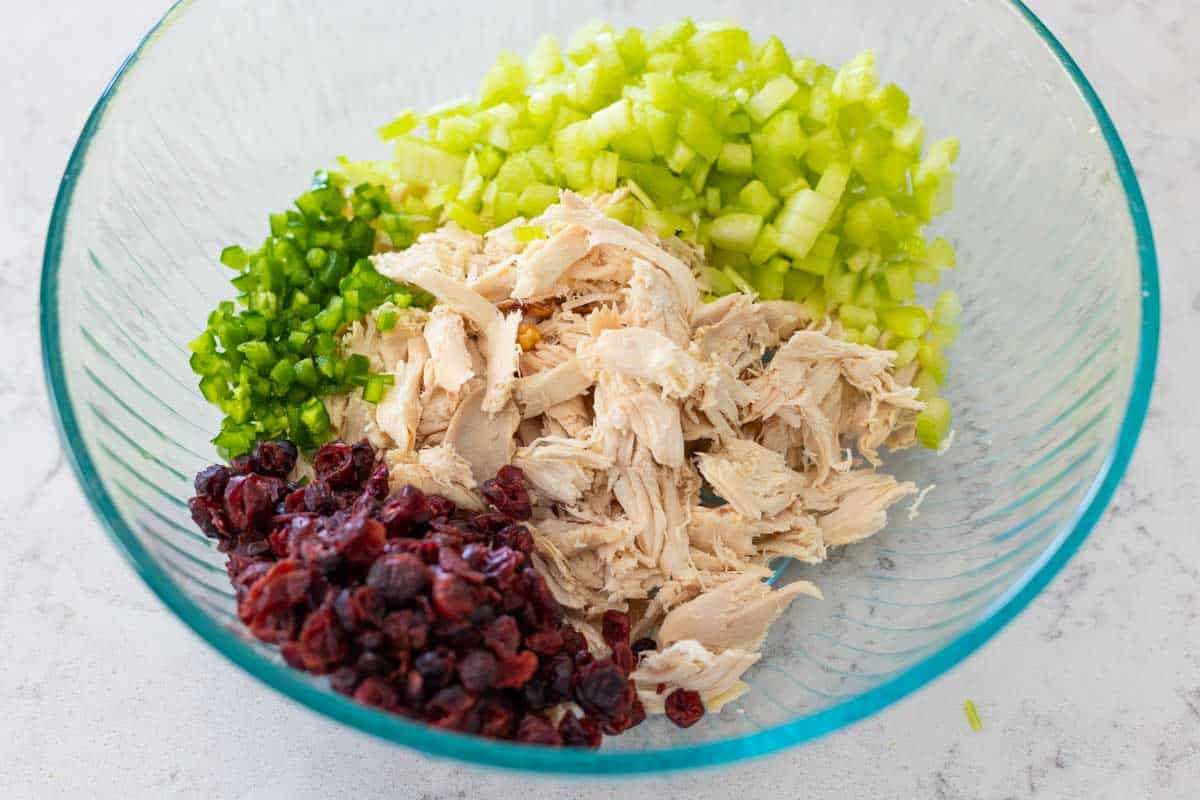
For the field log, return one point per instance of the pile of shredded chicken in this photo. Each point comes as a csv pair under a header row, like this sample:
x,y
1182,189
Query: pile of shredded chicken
x,y
590,360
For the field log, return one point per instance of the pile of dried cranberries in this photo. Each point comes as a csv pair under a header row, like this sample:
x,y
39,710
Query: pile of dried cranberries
x,y
409,603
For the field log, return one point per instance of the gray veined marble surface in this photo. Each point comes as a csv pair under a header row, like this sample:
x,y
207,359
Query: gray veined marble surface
x,y
1094,692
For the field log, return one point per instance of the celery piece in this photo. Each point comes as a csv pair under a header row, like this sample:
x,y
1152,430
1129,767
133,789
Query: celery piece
x,y
546,59
943,335
738,281
736,159
947,308
769,279
712,200
771,59
718,282
798,285
681,157
404,122
756,198
933,423
604,171
940,253
906,351
855,316
857,78
736,231
611,122
422,164
933,361
907,322
898,280
524,234
890,104
635,145
771,97
766,246
536,198
699,133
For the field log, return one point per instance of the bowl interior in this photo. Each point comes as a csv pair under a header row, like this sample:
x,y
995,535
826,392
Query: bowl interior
x,y
228,107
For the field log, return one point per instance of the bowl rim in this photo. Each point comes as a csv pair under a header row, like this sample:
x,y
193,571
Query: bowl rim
x,y
513,756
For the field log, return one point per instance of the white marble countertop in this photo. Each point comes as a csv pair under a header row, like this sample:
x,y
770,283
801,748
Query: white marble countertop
x,y
103,693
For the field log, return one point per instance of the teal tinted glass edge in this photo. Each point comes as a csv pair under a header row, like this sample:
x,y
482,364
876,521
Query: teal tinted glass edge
x,y
511,756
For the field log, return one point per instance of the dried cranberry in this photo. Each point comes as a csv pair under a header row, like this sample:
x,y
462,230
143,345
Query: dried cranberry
x,y
602,691
447,708
377,484
644,645
573,641
362,457
684,707
210,481
452,596
377,692
209,516
579,731
536,729
322,644
495,718
516,670
405,511
275,458
503,636
397,577
478,671
516,537
359,539
559,674
450,560
423,549
543,605
544,643
490,521
436,667
267,607
408,630
334,463
614,626
318,497
241,465
507,493
501,564
624,658
294,500
250,499
343,680
440,506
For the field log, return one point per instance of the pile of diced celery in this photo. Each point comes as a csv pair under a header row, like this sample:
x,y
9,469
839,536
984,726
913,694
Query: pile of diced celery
x,y
801,181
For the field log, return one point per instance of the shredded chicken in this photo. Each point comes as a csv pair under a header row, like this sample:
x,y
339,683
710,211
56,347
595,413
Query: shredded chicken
x,y
631,395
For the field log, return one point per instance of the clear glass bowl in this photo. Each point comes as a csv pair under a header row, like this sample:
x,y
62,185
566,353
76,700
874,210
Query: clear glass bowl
x,y
224,110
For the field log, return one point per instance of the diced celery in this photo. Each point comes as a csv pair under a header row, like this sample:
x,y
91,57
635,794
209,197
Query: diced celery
x,y
898,280
907,322
855,316
604,171
681,157
857,78
933,361
404,122
736,231
712,200
717,281
766,246
536,198
736,159
906,351
528,233
769,278
738,281
699,133
933,423
947,308
890,104
611,122
771,97
943,335
425,165
756,198
546,59
940,253
798,285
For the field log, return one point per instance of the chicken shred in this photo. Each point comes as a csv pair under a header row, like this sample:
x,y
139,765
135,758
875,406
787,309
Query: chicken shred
x,y
634,395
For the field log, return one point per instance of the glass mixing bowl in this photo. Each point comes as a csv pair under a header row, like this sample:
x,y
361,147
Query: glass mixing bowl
x,y
226,108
